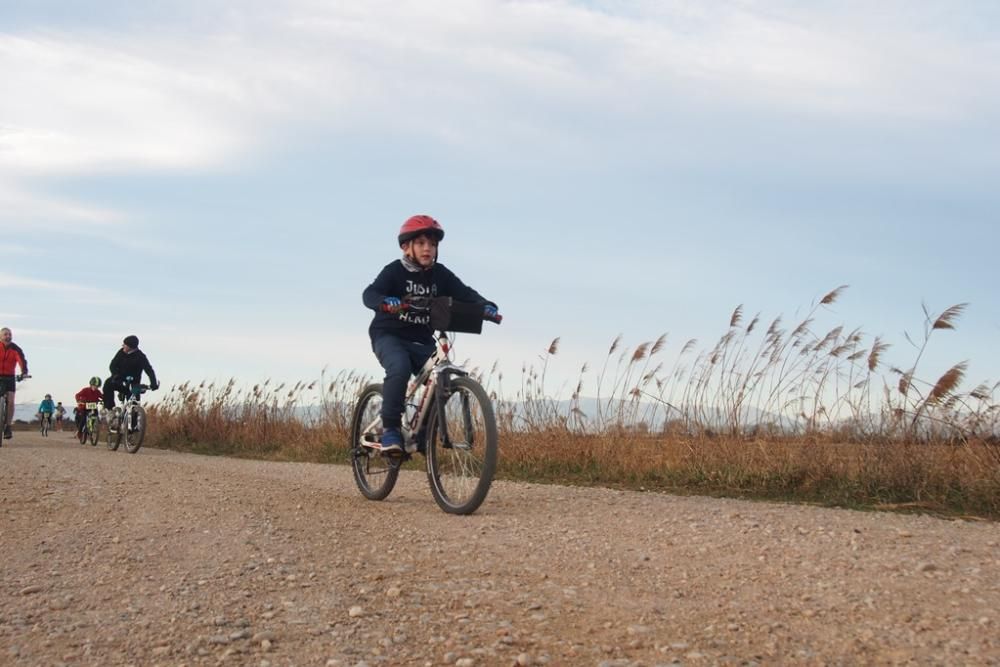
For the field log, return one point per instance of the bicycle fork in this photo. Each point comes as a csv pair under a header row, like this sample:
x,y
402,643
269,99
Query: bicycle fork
x,y
441,395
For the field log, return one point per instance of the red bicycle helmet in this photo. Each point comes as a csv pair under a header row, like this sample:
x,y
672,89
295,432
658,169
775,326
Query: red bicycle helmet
x,y
420,224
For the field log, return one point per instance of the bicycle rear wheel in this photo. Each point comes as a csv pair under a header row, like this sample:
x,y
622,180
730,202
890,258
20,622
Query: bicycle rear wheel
x,y
374,474
134,426
460,471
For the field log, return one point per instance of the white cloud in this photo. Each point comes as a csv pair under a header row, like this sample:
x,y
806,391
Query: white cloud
x,y
78,291
72,105
26,208
483,75
179,98
501,55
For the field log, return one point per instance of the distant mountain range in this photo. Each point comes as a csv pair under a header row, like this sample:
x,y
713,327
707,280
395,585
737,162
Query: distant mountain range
x,y
27,411
653,414
24,411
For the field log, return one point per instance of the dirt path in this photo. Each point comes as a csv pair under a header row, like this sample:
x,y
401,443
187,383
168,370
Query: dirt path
x,y
162,558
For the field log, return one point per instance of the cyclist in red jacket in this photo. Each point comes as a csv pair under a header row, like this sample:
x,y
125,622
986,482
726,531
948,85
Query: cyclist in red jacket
x,y
11,356
89,394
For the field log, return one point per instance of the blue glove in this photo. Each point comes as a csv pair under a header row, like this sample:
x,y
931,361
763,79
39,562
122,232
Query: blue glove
x,y
391,304
490,312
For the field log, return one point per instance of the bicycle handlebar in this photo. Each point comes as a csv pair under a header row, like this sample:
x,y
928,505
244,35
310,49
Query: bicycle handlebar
x,y
424,303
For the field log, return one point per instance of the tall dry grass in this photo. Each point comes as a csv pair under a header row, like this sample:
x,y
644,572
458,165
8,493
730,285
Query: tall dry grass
x,y
308,420
771,411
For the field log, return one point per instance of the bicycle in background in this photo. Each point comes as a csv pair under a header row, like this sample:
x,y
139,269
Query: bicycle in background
x,y
45,423
4,408
128,422
91,424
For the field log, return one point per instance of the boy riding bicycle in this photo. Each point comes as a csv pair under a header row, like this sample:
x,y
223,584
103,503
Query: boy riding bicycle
x,y
46,408
89,394
60,415
402,338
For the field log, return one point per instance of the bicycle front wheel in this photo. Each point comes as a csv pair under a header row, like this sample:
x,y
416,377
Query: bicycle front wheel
x,y
462,449
134,426
374,474
94,430
45,427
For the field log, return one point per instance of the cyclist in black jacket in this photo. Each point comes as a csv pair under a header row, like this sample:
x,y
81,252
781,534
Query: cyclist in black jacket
x,y
402,339
129,361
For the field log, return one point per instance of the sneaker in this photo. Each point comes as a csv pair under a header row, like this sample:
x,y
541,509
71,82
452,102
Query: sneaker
x,y
392,441
7,433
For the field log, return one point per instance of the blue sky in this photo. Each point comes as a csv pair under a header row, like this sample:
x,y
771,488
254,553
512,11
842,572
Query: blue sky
x,y
223,179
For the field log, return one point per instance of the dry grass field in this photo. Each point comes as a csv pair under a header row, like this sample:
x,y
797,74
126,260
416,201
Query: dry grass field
x,y
765,412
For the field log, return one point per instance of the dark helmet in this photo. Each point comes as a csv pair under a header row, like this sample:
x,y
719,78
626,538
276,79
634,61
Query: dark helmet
x,y
131,341
420,224
95,381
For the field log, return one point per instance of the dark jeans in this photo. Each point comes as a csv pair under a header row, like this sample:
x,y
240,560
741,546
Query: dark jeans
x,y
400,358
112,386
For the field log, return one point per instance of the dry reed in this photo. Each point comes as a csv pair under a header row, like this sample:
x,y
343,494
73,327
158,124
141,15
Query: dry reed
x,y
767,413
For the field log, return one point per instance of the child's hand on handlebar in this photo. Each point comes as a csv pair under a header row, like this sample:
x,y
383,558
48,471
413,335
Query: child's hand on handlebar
x,y
391,305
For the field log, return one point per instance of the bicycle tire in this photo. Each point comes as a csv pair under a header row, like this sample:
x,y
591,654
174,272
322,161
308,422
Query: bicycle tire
x,y
460,476
115,437
93,430
45,428
374,474
3,417
134,435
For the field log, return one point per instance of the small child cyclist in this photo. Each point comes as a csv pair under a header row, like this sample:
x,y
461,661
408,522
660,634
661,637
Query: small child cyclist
x,y
89,394
60,414
403,340
46,408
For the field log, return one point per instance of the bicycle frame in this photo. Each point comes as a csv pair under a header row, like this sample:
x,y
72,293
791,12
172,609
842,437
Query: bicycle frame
x,y
432,380
129,405
90,415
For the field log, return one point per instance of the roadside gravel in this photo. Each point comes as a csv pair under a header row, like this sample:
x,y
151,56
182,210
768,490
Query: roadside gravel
x,y
162,558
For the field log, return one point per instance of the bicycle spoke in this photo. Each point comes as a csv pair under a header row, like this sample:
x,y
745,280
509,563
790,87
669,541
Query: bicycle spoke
x,y
374,474
460,467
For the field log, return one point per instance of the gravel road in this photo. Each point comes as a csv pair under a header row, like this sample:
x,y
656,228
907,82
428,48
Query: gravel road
x,y
161,558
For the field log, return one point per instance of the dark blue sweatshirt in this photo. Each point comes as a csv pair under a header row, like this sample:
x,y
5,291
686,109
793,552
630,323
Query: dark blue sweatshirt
x,y
396,280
